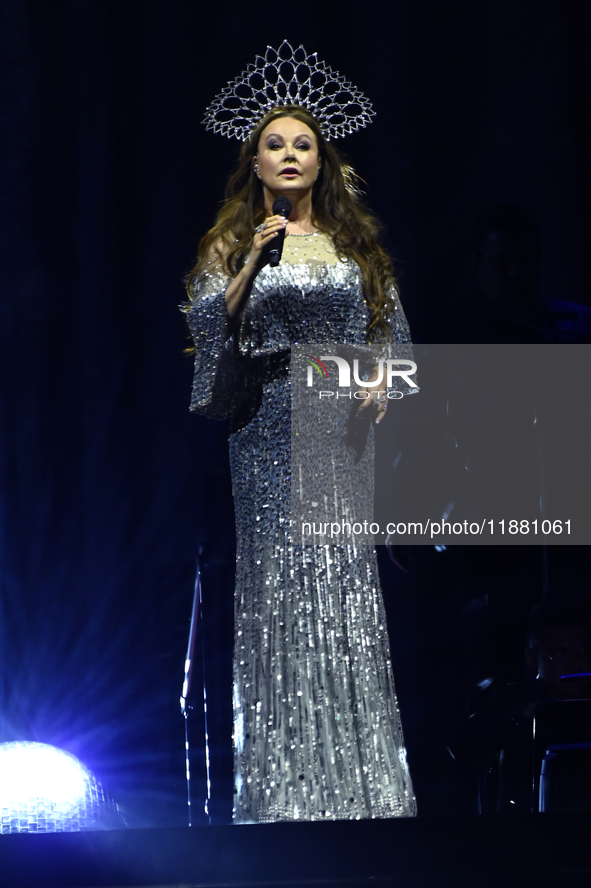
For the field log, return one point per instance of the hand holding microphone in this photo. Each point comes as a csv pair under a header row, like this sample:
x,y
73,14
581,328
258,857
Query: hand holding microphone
x,y
281,207
270,235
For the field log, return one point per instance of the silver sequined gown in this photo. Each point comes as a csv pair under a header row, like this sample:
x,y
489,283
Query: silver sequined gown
x,y
317,731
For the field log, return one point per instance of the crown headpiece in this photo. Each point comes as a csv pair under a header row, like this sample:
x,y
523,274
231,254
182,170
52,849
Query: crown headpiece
x,y
288,77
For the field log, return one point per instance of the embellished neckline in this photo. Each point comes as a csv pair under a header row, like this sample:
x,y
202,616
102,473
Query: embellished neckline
x,y
304,234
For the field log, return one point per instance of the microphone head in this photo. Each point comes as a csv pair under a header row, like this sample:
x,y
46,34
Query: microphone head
x,y
282,207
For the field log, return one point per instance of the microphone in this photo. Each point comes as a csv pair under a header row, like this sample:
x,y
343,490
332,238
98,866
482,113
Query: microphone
x,y
281,207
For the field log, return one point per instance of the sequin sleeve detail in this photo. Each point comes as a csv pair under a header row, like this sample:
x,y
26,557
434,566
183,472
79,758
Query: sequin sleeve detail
x,y
396,345
400,345
216,369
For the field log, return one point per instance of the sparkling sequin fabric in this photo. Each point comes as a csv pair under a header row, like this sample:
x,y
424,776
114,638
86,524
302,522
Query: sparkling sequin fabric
x,y
317,731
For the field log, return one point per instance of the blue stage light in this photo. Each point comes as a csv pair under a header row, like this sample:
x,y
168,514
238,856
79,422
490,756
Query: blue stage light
x,y
44,789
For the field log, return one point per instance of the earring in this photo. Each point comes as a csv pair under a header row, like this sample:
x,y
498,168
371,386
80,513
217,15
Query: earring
x,y
256,168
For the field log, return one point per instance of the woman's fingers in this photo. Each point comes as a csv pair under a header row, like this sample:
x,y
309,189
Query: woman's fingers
x,y
374,402
375,405
272,225
268,230
271,220
382,407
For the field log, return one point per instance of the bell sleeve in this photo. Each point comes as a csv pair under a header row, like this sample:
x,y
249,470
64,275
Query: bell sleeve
x,y
397,347
216,375
400,347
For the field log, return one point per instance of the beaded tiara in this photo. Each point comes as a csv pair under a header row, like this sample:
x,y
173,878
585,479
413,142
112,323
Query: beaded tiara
x,y
287,77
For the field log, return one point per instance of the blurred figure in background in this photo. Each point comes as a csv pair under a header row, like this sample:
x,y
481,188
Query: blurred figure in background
x,y
499,733
508,306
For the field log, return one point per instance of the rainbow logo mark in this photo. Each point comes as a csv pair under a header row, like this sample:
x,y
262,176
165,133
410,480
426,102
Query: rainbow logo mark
x,y
317,365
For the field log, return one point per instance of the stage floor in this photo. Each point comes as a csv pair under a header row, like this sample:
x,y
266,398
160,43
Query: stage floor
x,y
539,850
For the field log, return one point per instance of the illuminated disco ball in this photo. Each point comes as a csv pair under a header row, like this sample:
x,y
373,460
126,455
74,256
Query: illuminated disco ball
x,y
44,789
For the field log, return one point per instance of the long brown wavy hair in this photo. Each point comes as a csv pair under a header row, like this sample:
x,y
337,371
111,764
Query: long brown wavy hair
x,y
337,210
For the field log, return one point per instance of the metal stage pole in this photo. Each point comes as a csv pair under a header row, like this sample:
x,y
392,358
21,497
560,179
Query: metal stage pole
x,y
196,620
